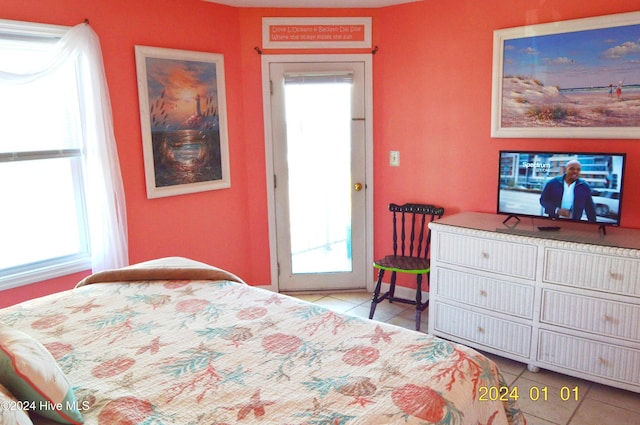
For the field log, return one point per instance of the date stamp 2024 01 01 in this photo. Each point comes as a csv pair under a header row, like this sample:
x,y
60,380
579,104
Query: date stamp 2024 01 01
x,y
533,393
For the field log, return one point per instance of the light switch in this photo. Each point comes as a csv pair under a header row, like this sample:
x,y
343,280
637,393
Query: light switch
x,y
394,158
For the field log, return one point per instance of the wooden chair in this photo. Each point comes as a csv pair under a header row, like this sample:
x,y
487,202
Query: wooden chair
x,y
411,243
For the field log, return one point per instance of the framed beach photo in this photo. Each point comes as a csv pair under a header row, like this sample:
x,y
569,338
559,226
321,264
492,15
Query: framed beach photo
x,y
568,79
184,121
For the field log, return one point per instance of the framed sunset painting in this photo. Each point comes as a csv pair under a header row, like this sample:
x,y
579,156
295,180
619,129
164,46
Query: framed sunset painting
x,y
183,119
568,79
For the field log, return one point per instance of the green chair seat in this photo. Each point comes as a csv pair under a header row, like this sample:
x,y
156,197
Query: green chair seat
x,y
411,243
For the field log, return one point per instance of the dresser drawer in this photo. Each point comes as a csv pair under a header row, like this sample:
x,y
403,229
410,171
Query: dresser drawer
x,y
601,272
507,258
596,315
482,329
492,294
591,357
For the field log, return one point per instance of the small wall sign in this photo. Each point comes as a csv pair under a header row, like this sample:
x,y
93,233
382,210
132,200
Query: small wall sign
x,y
316,33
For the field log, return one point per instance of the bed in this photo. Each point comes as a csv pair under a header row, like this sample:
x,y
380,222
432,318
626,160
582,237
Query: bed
x,y
175,341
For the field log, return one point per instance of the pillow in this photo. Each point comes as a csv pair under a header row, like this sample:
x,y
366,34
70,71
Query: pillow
x,y
11,410
32,375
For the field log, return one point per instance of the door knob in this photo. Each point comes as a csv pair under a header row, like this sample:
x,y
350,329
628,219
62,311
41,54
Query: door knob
x,y
357,187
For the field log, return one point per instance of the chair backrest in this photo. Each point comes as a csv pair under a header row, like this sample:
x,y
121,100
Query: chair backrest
x,y
411,233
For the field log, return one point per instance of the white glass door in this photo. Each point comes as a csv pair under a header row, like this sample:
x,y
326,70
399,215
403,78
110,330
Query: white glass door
x,y
319,162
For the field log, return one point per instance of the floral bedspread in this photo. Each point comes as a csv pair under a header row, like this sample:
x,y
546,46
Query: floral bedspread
x,y
219,352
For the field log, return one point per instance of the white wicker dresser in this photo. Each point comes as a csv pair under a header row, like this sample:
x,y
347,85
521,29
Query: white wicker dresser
x,y
567,301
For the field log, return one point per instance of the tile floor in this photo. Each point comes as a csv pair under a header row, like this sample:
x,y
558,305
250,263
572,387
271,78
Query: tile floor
x,y
596,405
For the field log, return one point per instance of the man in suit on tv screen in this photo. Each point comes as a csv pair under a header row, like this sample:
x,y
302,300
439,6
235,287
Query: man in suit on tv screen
x,y
568,196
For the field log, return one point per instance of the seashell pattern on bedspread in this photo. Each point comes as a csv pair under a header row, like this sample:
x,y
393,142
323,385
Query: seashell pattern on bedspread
x,y
186,352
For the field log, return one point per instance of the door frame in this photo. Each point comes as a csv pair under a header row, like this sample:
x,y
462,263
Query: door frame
x,y
268,139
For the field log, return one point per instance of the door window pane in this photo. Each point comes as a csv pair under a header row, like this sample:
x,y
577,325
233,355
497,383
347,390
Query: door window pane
x,y
318,120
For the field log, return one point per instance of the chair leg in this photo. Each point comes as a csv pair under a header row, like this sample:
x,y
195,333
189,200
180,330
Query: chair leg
x,y
392,287
428,284
418,319
418,301
376,294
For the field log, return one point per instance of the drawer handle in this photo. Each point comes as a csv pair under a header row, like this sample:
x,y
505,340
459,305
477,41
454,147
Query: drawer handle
x,y
480,329
603,362
484,255
483,293
609,319
616,276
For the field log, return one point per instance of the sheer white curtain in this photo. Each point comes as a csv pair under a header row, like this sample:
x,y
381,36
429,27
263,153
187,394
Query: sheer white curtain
x,y
103,182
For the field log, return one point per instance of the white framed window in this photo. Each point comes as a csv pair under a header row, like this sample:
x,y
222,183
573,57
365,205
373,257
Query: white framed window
x,y
56,170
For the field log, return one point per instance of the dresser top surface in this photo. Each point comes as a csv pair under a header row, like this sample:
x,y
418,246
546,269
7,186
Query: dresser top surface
x,y
530,227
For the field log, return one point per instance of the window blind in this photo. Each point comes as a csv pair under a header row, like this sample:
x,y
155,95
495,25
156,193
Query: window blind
x,y
318,78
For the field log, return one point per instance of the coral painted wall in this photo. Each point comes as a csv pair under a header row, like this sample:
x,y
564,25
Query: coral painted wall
x,y
433,77
432,99
208,226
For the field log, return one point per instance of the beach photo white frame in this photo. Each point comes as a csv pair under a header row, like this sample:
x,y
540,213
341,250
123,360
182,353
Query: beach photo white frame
x,y
589,57
183,116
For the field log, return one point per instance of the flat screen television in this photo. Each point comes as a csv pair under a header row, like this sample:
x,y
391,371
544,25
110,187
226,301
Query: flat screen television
x,y
533,184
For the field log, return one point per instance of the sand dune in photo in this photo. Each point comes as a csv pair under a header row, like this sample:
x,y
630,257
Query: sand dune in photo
x,y
528,102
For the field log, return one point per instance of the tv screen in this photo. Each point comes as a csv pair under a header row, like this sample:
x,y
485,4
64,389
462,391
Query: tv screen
x,y
584,187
